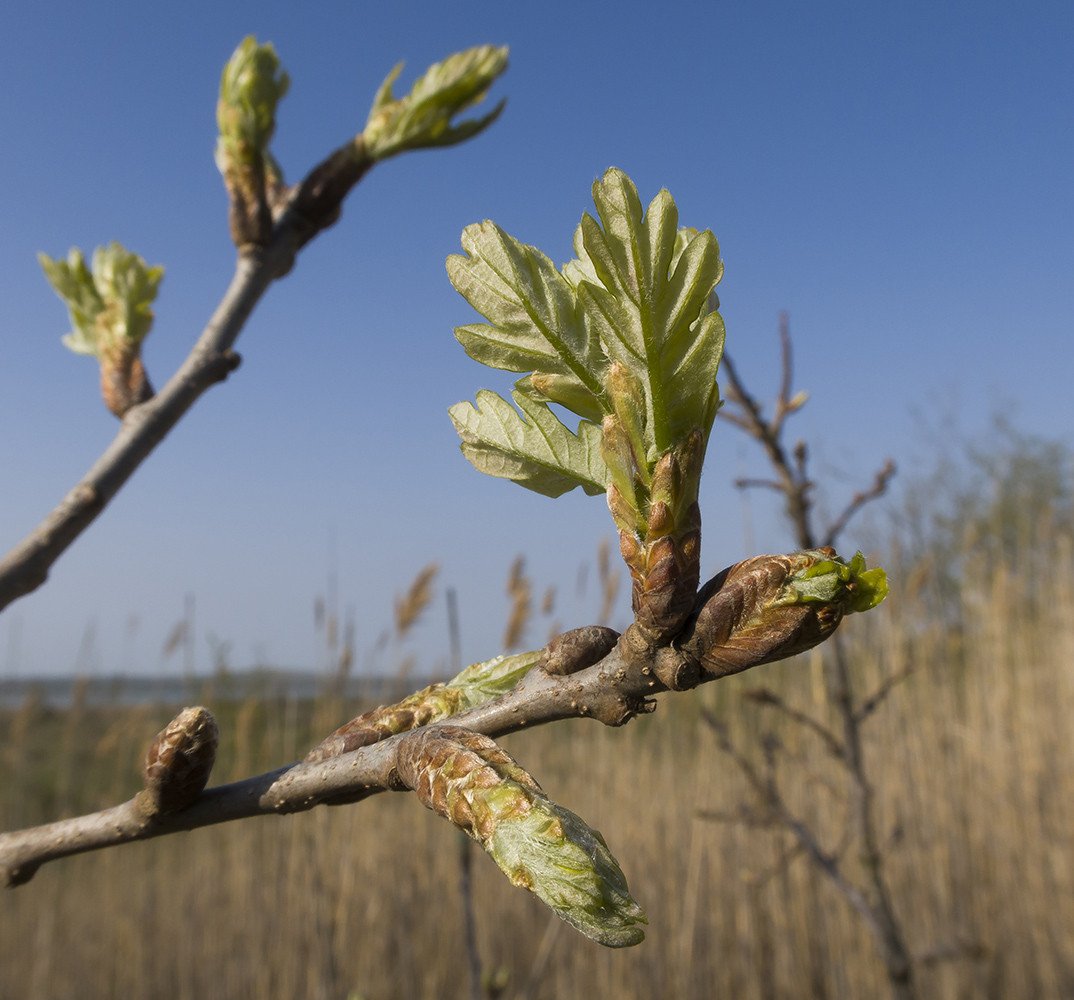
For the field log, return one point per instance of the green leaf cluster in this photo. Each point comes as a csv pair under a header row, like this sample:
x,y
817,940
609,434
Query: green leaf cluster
x,y
537,844
423,118
251,86
553,852
482,682
109,304
535,450
625,331
832,580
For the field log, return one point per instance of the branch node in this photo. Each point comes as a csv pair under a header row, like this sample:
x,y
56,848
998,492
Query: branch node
x,y
676,670
18,875
577,649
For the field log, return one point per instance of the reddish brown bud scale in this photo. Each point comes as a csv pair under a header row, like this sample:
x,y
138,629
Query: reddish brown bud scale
x,y
177,765
661,520
740,624
124,382
631,551
577,649
690,547
417,710
444,763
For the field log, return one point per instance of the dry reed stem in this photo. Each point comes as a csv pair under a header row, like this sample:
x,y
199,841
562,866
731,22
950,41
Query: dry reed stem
x,y
976,806
408,608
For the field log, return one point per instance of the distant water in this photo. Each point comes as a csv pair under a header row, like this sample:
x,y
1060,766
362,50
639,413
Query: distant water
x,y
59,692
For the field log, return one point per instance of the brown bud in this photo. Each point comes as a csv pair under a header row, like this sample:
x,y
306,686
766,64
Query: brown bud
x,y
123,380
676,671
249,214
743,618
577,649
447,765
659,556
690,547
179,762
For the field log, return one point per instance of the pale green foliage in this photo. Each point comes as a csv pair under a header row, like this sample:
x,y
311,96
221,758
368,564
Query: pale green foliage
x,y
483,681
538,845
536,450
423,117
652,318
832,580
109,304
251,86
537,322
552,852
625,329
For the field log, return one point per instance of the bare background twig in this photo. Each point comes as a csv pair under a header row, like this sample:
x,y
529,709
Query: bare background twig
x,y
873,901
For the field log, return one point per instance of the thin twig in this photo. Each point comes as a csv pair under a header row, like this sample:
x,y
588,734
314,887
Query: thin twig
x,y
768,792
211,360
795,486
859,500
612,691
872,703
783,400
875,907
744,816
951,951
540,961
766,696
769,484
469,915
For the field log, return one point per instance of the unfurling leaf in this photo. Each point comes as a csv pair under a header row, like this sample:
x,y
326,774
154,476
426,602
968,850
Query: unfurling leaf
x,y
771,607
649,306
110,304
469,780
638,293
483,681
110,309
251,86
472,687
535,449
536,323
832,579
566,390
423,117
627,336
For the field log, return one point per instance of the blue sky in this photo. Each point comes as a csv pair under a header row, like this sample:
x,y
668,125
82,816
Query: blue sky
x,y
897,176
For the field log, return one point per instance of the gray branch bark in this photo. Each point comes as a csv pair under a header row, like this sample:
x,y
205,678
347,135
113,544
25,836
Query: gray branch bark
x,y
610,691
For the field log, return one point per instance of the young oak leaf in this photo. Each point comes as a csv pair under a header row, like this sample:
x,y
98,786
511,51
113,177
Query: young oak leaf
x,y
423,118
535,449
649,307
535,321
110,304
567,390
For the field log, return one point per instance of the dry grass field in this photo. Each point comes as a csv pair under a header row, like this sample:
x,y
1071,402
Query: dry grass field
x,y
972,758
